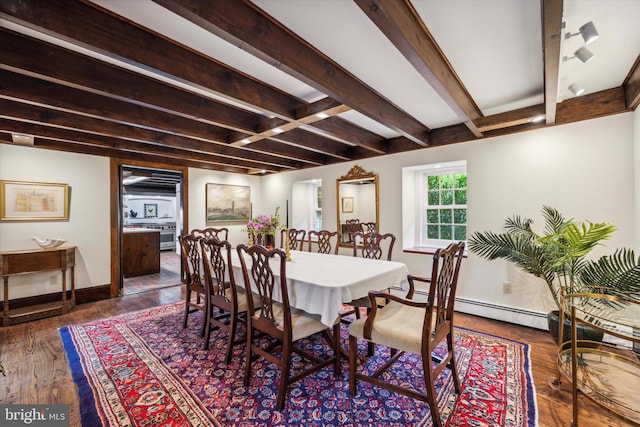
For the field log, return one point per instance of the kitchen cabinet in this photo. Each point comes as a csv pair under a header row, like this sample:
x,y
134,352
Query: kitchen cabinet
x,y
140,252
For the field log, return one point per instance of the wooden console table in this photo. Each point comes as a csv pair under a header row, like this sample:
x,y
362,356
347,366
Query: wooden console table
x,y
33,261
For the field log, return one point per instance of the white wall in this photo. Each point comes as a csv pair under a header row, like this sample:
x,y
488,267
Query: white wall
x,y
584,169
88,224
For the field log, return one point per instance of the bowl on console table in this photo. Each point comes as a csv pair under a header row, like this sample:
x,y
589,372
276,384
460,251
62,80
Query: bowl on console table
x,y
48,242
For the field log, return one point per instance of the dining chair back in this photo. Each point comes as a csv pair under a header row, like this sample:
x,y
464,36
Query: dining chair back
x,y
353,226
373,245
194,282
415,327
211,232
369,227
296,238
265,271
324,241
226,303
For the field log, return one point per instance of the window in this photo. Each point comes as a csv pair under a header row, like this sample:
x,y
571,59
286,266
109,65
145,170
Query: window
x,y
318,206
306,206
434,205
446,206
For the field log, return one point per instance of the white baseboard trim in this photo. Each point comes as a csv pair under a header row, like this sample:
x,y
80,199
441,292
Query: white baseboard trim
x,y
503,313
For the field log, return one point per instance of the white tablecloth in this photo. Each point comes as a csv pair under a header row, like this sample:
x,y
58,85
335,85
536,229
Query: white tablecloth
x,y
321,283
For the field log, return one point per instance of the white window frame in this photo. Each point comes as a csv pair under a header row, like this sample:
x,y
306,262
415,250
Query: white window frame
x,y
414,204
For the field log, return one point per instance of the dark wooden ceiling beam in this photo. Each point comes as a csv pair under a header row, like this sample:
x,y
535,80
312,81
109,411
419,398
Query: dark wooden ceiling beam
x,y
551,38
38,114
631,86
594,105
248,27
142,148
304,139
402,25
511,118
349,132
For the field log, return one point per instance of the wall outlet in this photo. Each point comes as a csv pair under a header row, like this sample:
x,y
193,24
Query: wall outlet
x,y
54,280
506,287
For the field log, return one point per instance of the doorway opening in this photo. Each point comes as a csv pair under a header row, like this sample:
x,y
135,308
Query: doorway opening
x,y
151,218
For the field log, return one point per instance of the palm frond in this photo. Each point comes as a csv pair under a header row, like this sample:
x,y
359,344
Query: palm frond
x,y
621,271
553,220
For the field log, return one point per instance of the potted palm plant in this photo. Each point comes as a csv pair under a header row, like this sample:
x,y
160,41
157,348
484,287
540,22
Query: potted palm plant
x,y
559,257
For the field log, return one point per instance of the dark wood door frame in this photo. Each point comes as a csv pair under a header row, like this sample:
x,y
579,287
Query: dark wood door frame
x,y
116,209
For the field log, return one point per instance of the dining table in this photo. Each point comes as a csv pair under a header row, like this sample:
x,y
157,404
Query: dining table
x,y
321,283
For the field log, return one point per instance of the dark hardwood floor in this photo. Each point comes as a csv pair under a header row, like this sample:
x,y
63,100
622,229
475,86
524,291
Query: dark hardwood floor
x,y
37,370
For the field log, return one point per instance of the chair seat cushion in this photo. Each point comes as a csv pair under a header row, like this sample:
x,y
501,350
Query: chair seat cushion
x,y
396,325
303,323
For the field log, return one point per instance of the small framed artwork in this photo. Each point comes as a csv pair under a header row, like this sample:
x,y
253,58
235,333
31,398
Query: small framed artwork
x,y
347,204
151,210
227,203
33,201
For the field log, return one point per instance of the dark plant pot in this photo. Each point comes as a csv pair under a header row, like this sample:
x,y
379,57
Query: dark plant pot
x,y
585,332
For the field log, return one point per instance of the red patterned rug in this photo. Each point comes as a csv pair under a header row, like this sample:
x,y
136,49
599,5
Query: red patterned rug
x,y
143,369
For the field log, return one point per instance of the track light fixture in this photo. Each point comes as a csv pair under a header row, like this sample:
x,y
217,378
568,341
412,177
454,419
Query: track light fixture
x,y
583,54
576,90
587,31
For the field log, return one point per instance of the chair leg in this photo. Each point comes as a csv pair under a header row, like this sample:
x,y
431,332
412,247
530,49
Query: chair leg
x,y
285,363
353,349
431,392
205,314
232,338
186,308
247,365
207,331
337,351
452,362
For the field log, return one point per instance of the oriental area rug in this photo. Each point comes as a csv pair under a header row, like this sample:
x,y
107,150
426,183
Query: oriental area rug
x,y
144,369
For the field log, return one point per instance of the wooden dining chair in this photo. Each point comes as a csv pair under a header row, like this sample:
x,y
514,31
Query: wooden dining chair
x,y
353,226
415,327
279,321
211,232
226,302
194,282
324,241
296,238
373,245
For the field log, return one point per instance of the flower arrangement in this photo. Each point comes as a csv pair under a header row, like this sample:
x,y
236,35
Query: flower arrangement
x,y
265,223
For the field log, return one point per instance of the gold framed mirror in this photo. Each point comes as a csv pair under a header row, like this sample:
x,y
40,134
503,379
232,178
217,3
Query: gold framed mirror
x,y
356,203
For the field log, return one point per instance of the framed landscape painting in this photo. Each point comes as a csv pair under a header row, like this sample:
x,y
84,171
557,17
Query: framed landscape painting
x,y
33,201
227,203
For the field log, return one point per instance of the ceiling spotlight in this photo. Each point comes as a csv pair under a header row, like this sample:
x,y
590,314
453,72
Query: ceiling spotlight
x,y
583,54
587,31
537,119
322,115
576,90
277,130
